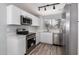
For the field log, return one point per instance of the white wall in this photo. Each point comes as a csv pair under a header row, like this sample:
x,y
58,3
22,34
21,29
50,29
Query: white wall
x,y
3,47
33,29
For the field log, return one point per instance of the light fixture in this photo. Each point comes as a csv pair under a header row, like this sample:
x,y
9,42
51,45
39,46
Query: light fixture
x,y
39,9
45,8
48,6
53,6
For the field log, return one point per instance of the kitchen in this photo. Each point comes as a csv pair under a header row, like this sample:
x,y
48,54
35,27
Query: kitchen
x,y
39,29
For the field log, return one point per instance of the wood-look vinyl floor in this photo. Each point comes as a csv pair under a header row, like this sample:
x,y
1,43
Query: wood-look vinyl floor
x,y
46,49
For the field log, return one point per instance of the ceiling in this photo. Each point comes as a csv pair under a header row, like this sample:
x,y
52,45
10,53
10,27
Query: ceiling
x,y
33,8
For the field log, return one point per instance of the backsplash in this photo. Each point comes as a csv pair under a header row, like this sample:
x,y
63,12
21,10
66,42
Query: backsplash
x,y
33,29
12,28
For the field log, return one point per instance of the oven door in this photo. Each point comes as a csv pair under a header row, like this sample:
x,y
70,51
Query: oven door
x,y
30,43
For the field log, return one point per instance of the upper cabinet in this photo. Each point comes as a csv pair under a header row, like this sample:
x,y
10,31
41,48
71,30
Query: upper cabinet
x,y
13,15
25,14
35,21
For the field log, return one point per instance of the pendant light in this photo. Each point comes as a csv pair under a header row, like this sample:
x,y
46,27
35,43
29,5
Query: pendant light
x,y
39,9
53,6
45,8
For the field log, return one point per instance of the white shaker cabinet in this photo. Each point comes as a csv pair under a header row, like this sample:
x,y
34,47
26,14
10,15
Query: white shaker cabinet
x,y
37,38
12,45
13,15
16,44
25,14
46,37
22,44
35,21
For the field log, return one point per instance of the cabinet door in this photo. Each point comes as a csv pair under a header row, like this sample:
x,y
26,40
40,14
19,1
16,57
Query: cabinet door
x,y
16,15
13,15
22,45
46,38
37,38
35,21
12,45
26,14
23,13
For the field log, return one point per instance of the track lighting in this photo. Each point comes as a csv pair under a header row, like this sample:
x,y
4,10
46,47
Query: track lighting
x,y
48,6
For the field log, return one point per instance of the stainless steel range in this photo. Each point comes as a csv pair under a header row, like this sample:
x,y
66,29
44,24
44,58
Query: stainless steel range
x,y
30,42
30,39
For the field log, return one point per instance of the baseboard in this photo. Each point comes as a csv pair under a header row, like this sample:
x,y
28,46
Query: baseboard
x,y
45,43
38,43
58,45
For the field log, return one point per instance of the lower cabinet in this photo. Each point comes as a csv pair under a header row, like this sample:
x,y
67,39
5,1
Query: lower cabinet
x,y
37,38
16,44
12,45
46,37
22,44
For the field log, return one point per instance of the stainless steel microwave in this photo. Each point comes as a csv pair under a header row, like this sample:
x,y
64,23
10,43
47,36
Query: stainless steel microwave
x,y
25,20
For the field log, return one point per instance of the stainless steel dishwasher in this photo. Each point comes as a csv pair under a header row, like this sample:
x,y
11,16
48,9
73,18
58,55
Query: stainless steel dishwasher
x,y
57,39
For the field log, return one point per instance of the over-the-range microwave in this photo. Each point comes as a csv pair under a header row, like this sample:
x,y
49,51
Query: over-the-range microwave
x,y
25,20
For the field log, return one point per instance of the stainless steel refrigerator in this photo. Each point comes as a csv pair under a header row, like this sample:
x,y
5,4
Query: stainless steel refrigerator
x,y
70,29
